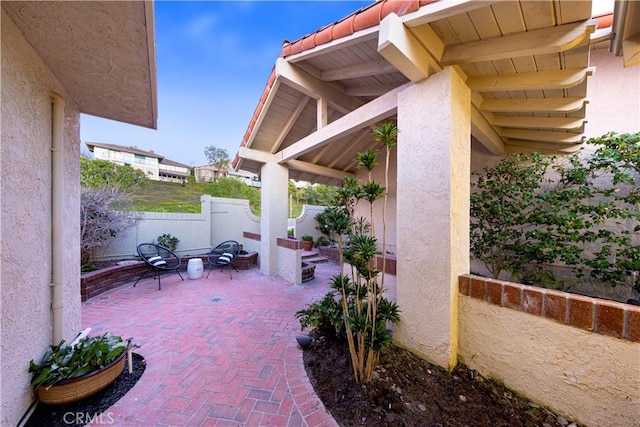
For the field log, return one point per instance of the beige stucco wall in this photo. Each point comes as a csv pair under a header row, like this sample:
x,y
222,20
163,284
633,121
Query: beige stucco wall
x,y
220,219
589,377
613,92
306,223
25,247
432,213
290,264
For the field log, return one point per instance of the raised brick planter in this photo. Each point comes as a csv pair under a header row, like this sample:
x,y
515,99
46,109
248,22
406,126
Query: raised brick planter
x,y
245,260
97,282
308,271
333,255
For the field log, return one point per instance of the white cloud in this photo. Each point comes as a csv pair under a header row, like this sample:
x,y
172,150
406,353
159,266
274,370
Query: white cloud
x,y
202,26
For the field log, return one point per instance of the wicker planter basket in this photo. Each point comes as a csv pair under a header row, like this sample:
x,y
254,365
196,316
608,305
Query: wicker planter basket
x,y
74,389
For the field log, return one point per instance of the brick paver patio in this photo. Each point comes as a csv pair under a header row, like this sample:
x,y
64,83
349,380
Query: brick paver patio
x,y
219,352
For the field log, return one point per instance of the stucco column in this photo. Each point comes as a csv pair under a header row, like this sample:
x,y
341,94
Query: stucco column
x,y
273,224
432,213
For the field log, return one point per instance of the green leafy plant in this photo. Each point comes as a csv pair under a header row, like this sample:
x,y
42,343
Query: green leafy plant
x,y
64,361
323,241
325,316
307,238
366,313
531,212
168,241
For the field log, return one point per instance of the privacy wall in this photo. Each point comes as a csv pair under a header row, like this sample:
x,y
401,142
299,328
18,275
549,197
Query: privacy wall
x,y
220,219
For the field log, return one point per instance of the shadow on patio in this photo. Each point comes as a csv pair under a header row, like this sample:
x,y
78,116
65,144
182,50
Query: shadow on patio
x,y
218,351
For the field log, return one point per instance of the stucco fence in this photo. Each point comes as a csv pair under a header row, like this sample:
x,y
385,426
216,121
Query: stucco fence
x,y
575,354
220,219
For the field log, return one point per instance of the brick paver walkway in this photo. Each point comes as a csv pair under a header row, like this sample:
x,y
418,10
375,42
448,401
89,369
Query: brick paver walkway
x,y
219,352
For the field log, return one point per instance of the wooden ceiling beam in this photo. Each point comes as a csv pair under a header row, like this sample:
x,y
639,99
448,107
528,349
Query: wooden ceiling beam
x,y
289,124
257,156
304,82
307,167
402,49
521,146
565,123
357,71
369,90
533,105
542,136
536,42
370,113
481,129
535,80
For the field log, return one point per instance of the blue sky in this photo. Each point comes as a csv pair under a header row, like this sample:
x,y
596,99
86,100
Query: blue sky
x,y
213,61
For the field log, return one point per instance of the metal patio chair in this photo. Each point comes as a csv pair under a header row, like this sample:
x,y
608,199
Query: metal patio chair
x,y
223,255
158,260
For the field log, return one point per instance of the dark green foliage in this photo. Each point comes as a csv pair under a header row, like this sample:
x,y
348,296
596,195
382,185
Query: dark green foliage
x,y
234,188
529,212
366,313
97,173
168,241
63,361
325,316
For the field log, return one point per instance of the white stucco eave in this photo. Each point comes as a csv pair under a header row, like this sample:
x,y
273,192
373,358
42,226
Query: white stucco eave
x,y
103,53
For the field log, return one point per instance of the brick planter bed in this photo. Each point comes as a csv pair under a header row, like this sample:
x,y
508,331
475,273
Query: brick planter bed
x,y
333,255
308,271
245,260
99,281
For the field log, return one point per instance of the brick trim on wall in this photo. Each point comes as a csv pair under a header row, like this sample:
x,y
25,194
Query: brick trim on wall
x,y
250,235
289,243
604,317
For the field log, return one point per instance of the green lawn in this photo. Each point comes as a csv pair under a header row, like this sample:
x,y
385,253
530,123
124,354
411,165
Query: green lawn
x,y
158,196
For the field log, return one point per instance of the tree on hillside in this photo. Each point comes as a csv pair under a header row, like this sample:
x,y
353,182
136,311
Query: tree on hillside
x,y
218,157
236,189
96,173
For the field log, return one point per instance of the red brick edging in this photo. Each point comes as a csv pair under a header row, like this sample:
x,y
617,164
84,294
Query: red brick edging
x,y
604,317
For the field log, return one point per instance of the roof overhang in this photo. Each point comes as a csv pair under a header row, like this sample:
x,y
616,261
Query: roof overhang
x,y
526,63
102,52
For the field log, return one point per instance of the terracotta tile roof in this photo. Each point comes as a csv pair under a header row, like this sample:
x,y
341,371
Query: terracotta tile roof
x,y
361,19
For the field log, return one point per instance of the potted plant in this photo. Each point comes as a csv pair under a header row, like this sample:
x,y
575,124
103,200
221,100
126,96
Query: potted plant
x,y
71,372
168,241
307,242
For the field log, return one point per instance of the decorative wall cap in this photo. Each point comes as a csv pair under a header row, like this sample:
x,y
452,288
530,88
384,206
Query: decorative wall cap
x,y
596,315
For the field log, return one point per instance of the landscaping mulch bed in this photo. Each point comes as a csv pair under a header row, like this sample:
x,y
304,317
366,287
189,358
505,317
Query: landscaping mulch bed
x,y
408,391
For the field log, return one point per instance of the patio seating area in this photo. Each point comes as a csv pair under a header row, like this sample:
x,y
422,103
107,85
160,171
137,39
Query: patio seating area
x,y
219,351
